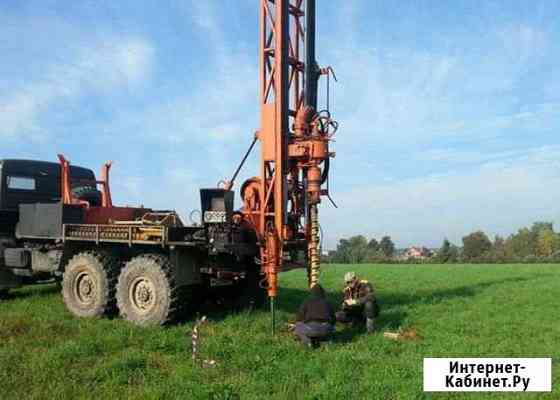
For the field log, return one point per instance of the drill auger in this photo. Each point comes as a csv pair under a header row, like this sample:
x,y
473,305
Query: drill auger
x,y
314,246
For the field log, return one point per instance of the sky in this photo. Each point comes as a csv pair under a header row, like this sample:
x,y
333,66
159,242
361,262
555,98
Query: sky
x,y
449,112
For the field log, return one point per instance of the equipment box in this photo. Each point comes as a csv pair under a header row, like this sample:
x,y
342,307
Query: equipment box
x,y
45,220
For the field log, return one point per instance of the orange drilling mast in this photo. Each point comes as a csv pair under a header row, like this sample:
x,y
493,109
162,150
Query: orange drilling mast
x,y
281,204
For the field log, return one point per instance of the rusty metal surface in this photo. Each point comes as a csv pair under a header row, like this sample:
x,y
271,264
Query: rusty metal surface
x,y
67,183
116,233
281,204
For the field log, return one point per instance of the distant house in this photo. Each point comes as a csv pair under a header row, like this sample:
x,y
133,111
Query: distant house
x,y
417,253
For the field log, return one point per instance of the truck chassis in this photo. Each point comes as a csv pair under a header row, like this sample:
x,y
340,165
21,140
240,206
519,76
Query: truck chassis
x,y
148,268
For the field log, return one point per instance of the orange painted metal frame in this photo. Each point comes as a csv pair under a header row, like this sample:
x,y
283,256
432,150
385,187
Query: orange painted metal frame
x,y
66,184
292,146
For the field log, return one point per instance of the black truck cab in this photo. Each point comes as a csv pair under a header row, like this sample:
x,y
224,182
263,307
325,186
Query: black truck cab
x,y
26,181
29,182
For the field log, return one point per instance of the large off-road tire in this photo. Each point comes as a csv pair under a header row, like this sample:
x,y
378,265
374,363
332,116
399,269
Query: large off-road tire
x,y
146,291
88,284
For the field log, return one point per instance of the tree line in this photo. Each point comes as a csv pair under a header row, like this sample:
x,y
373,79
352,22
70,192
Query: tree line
x,y
537,243
358,249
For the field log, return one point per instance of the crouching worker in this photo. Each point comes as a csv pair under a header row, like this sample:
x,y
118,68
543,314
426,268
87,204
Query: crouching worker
x,y
360,304
315,319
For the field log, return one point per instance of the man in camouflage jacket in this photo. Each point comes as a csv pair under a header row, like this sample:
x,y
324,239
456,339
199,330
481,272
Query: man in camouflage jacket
x,y
359,303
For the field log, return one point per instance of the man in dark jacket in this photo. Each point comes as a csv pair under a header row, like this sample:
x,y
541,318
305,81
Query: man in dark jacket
x,y
359,303
315,319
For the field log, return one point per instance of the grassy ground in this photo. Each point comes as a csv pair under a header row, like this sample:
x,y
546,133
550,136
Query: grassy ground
x,y
459,311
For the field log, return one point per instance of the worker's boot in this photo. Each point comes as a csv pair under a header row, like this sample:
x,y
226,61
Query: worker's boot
x,y
370,325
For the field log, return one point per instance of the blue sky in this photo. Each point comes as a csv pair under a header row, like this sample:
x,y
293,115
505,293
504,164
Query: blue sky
x,y
449,111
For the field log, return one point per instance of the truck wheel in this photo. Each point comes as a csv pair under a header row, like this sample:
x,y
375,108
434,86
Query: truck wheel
x,y
88,284
146,292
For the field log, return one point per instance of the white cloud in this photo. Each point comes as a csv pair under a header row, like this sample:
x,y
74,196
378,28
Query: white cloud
x,y
177,188
132,60
412,104
410,93
497,197
17,113
403,94
220,106
457,156
225,131
524,42
110,64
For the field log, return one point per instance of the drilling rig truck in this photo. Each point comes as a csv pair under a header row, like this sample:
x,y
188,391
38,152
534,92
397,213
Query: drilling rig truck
x,y
58,221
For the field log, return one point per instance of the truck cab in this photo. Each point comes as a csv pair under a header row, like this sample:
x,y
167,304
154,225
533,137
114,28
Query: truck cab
x,y
27,181
31,182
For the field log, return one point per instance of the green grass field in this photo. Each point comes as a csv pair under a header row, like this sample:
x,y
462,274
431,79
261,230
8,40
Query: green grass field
x,y
459,311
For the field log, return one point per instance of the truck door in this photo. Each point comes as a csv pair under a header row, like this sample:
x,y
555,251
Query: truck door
x,y
26,182
20,190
